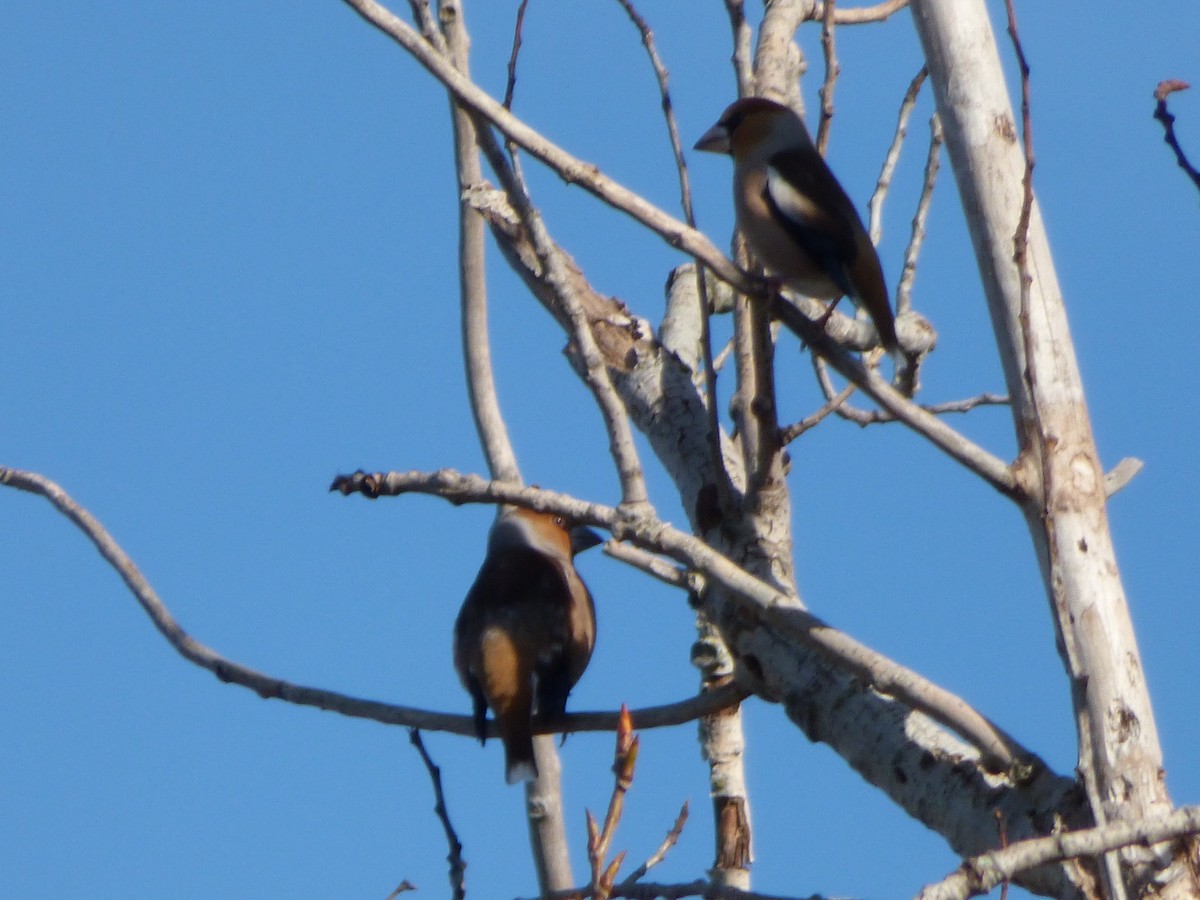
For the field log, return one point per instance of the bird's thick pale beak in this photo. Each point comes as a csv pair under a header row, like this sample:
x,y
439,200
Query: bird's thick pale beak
x,y
583,538
715,140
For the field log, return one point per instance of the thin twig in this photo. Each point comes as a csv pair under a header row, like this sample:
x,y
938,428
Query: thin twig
x,y
789,434
988,466
569,168
685,200
740,30
866,417
557,274
654,566
664,848
511,85
883,183
1161,113
604,873
832,70
908,273
458,866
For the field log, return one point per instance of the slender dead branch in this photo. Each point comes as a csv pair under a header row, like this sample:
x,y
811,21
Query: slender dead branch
x,y
547,828
991,468
654,566
789,434
832,70
883,183
685,200
1162,114
664,848
458,866
998,751
481,385
511,85
908,273
980,874
616,419
866,417
740,30
568,167
861,15
271,688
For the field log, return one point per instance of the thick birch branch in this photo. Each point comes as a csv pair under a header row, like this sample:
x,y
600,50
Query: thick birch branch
x,y
1063,496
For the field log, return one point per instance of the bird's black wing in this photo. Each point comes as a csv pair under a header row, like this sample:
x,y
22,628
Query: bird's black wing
x,y
814,210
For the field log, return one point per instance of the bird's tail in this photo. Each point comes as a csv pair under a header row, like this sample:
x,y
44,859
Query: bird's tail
x,y
906,372
519,764
508,685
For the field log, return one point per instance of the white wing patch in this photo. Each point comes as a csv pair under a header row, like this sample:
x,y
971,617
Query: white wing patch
x,y
794,204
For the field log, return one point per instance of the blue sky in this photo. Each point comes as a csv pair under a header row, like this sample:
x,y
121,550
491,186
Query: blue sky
x,y
227,264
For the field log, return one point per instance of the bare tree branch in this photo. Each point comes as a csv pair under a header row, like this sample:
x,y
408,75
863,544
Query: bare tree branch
x,y
980,874
700,888
740,31
569,168
832,70
1162,114
1062,494
511,84
481,385
991,468
271,688
866,417
834,402
664,848
604,873
689,215
458,865
861,15
883,183
778,63
999,752
654,566
1122,473
908,273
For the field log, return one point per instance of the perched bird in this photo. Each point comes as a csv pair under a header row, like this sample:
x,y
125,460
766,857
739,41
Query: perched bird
x,y
795,215
526,630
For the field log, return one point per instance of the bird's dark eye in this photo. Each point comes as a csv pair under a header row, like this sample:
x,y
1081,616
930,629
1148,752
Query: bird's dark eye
x,y
560,521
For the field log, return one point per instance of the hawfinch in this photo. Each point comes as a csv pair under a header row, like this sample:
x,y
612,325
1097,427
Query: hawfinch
x,y
793,213
526,630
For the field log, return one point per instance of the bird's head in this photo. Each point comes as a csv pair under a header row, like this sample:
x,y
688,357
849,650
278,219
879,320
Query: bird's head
x,y
548,532
752,126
